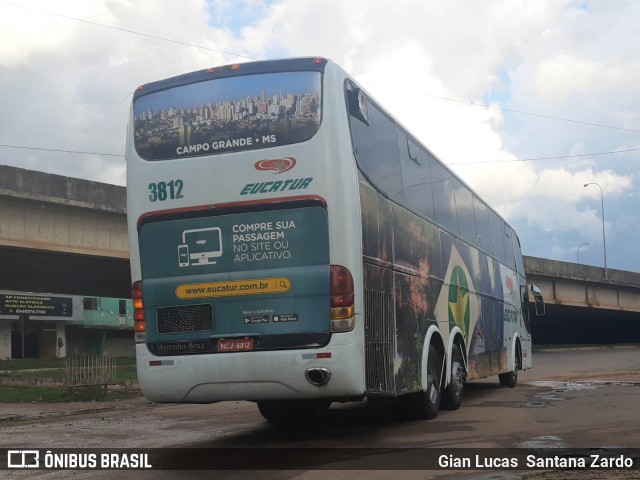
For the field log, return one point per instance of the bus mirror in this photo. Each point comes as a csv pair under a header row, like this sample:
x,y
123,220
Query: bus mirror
x,y
358,105
538,299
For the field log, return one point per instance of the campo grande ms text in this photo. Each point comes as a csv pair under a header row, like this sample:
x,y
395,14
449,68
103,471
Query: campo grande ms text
x,y
532,461
224,144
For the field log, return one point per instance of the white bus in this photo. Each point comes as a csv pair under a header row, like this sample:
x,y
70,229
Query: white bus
x,y
293,245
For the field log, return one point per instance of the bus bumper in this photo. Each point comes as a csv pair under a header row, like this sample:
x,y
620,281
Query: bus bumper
x,y
263,375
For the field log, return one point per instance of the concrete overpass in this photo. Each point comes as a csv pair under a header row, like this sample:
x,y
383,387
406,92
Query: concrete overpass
x,y
66,235
576,285
62,235
585,304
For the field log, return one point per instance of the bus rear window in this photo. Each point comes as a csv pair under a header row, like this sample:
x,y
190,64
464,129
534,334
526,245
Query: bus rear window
x,y
228,115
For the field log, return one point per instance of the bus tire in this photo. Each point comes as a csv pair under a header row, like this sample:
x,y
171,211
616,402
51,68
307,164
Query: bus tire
x,y
425,404
291,411
509,379
433,393
454,393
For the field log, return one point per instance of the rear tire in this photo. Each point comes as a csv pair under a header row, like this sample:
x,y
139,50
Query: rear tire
x,y
424,405
454,393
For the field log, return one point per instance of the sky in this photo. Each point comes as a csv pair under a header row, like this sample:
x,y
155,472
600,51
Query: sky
x,y
526,100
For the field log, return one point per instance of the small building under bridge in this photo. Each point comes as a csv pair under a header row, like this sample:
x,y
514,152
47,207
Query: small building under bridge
x,y
36,325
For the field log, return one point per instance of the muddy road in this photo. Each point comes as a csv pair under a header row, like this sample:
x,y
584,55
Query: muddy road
x,y
571,398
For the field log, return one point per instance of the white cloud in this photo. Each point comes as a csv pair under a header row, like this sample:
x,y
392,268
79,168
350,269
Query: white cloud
x,y
569,186
564,77
66,84
27,31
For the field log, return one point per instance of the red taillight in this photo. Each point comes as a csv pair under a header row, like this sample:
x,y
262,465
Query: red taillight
x,y
341,283
341,280
139,324
136,295
342,299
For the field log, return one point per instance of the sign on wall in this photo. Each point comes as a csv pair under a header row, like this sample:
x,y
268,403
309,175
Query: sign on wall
x,y
35,305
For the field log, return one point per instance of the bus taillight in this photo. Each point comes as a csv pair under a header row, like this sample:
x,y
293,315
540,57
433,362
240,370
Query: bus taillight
x,y
342,304
139,324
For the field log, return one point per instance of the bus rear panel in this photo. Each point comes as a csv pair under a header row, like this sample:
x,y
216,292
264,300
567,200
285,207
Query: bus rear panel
x,y
242,281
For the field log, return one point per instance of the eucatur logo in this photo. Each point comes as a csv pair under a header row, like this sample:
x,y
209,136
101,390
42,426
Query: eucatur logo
x,y
509,283
278,165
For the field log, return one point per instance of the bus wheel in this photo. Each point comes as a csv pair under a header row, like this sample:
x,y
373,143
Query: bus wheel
x,y
423,405
291,411
510,379
432,394
454,393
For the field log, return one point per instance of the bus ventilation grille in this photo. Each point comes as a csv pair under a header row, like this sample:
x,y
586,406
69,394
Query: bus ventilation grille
x,y
187,318
379,327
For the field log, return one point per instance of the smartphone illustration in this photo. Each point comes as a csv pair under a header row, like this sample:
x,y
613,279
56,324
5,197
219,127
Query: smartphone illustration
x,y
183,255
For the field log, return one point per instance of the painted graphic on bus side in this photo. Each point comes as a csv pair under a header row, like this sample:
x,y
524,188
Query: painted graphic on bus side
x,y
436,279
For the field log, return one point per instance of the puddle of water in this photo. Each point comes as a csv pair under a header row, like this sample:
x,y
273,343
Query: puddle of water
x,y
583,385
566,386
544,441
544,399
541,400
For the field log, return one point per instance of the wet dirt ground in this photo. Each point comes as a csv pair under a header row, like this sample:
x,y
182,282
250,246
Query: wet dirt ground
x,y
585,398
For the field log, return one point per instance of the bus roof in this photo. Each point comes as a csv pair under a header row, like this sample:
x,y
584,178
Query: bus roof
x,y
232,70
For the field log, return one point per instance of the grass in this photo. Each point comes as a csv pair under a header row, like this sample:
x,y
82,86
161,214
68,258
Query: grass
x,y
31,363
52,370
43,380
14,394
40,363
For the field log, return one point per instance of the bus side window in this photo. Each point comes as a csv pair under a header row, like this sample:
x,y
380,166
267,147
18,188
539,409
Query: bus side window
x,y
509,247
414,152
464,209
376,148
416,182
481,213
444,202
497,230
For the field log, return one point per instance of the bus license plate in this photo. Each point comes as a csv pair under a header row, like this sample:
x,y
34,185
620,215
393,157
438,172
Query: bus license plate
x,y
235,344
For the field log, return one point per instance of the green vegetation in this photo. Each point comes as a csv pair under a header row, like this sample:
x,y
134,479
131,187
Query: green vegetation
x,y
41,380
39,363
20,394
31,363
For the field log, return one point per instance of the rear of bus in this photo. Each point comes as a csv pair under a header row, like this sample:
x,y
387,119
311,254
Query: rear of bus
x,y
245,235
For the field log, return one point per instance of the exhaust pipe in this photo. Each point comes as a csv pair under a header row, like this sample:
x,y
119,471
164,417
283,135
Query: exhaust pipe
x,y
317,376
